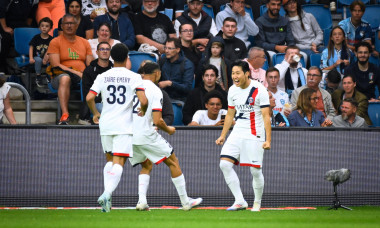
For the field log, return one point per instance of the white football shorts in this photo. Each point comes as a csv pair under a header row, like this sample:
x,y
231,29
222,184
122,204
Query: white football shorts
x,y
118,145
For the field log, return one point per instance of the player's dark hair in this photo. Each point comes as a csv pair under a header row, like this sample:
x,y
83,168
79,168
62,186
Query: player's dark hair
x,y
119,52
363,44
333,76
242,64
213,94
47,20
97,47
272,69
352,101
210,67
150,67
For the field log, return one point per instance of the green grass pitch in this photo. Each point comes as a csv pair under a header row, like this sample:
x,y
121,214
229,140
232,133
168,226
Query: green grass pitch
x,y
321,217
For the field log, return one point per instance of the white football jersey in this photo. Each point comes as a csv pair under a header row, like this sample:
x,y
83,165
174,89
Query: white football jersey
x,y
143,130
117,87
248,103
281,99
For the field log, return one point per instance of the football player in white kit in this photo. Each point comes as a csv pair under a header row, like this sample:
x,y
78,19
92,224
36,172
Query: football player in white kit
x,y
250,136
118,87
149,146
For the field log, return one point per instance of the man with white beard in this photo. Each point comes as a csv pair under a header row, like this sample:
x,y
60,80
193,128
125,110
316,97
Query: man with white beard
x,y
349,117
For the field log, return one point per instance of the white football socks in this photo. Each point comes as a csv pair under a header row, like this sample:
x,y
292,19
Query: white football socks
x,y
257,183
106,170
143,187
113,178
232,180
180,185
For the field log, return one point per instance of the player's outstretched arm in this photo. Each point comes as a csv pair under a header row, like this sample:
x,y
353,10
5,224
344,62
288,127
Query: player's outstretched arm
x,y
143,102
90,98
227,125
268,128
160,123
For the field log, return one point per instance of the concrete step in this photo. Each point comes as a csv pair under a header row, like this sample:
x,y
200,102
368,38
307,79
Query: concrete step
x,y
36,117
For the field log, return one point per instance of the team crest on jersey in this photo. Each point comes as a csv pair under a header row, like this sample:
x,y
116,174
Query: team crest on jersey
x,y
282,101
361,33
251,100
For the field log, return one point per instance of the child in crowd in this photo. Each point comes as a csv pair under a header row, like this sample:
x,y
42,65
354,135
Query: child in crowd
x,y
94,8
38,47
215,56
336,55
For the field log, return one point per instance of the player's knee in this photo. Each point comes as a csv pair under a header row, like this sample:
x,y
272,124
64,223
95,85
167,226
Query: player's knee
x,y
225,165
256,172
147,166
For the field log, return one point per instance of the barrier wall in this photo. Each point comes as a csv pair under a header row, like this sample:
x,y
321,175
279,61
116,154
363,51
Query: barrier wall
x,y
62,166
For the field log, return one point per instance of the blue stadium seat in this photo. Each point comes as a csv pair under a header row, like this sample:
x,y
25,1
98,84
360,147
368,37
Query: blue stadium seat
x,y
374,113
374,60
263,9
247,9
169,13
266,64
207,8
279,57
137,57
371,15
326,36
321,14
315,59
177,115
55,32
377,41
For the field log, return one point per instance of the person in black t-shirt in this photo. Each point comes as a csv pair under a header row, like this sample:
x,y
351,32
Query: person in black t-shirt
x,y
38,47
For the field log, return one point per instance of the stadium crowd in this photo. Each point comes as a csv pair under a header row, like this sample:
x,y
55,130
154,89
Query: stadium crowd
x,y
195,51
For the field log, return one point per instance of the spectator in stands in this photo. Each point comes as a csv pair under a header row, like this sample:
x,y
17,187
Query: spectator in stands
x,y
307,113
277,119
292,74
355,29
5,104
332,81
85,28
324,102
177,72
349,91
121,26
96,67
275,33
281,98
336,55
191,52
214,115
234,47
13,14
53,9
104,35
151,71
153,28
244,23
215,55
38,47
94,8
305,28
348,118
195,99
367,74
203,25
256,59
70,54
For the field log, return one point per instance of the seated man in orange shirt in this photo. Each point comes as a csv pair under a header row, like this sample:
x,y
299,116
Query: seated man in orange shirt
x,y
70,54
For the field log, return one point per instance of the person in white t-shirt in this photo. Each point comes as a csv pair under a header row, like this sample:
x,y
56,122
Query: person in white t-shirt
x,y
213,115
117,86
273,77
248,100
149,146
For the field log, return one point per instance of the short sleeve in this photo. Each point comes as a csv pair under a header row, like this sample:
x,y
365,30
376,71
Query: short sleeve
x,y
197,117
96,87
53,46
157,100
264,97
231,103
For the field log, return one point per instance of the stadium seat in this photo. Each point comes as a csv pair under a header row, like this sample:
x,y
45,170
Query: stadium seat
x,y
266,64
263,9
55,32
326,36
315,59
377,41
22,37
207,8
374,60
247,8
371,15
342,7
137,57
374,113
169,13
279,57
177,109
321,14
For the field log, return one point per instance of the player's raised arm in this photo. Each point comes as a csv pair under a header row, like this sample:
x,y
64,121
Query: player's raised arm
x,y
268,128
227,125
143,102
160,123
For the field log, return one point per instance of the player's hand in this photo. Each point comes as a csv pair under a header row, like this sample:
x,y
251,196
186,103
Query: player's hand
x,y
32,61
280,48
314,48
171,130
140,112
95,118
266,145
327,123
282,124
220,140
8,30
